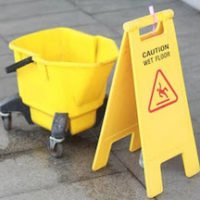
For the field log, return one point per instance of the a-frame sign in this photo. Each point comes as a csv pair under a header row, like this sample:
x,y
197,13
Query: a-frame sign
x,y
148,101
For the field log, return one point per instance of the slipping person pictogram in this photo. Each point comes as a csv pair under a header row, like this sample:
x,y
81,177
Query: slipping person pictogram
x,y
162,94
162,91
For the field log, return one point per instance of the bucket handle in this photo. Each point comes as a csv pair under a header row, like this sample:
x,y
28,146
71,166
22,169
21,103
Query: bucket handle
x,y
17,65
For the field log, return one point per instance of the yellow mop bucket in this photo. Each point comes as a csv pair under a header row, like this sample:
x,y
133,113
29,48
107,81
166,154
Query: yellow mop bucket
x,y
63,81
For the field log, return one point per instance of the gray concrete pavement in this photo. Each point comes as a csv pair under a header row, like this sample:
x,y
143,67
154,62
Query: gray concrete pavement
x,y
26,169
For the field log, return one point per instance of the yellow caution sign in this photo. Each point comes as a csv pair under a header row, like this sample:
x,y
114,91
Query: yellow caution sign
x,y
148,101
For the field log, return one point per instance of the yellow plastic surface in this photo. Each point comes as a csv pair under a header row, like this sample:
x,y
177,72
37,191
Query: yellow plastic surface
x,y
148,100
69,75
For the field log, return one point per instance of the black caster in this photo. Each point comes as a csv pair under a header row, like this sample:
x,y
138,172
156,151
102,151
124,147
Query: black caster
x,y
59,128
141,162
56,150
100,113
13,104
7,121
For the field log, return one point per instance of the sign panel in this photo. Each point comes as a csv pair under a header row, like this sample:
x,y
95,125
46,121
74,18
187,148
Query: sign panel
x,y
148,101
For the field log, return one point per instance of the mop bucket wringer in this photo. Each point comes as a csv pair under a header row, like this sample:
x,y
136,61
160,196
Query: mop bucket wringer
x,y
62,76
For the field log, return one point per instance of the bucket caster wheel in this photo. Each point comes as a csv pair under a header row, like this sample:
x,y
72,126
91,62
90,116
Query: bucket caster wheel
x,y
141,162
59,126
7,121
55,147
100,113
